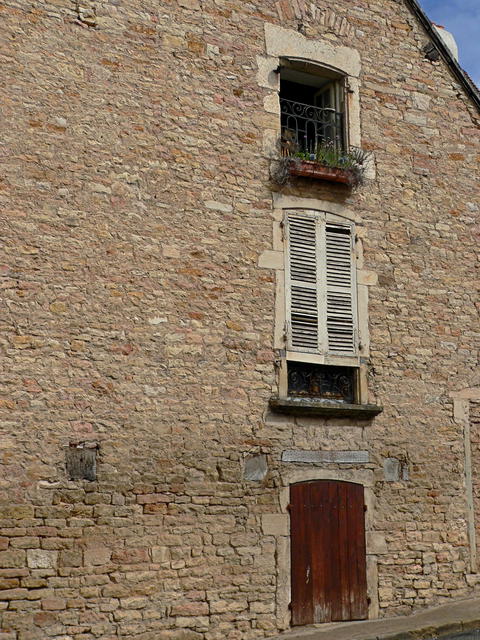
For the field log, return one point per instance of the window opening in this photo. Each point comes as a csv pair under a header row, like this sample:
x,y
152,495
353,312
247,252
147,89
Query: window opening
x,y
312,109
308,380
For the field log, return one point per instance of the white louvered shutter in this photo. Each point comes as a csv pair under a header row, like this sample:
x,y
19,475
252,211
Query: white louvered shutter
x,y
302,283
341,298
320,285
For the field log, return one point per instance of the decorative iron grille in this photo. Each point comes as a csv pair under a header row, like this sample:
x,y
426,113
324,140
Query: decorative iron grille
x,y
318,381
305,127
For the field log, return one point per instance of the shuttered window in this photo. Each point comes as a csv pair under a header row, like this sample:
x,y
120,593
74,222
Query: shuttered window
x,y
320,284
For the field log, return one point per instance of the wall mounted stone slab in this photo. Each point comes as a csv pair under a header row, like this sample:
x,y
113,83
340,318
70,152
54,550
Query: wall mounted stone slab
x,y
324,408
345,457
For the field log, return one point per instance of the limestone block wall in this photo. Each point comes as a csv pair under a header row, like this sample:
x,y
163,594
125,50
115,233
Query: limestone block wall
x,y
136,203
475,443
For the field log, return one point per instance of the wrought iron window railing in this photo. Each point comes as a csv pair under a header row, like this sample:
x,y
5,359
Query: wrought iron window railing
x,y
306,127
318,381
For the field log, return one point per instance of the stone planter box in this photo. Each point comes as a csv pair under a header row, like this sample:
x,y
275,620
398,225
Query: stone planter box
x,y
311,169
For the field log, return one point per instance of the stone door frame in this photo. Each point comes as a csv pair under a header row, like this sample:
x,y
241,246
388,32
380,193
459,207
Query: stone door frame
x,y
461,415
278,525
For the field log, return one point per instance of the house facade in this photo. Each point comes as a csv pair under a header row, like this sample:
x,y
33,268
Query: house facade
x,y
240,333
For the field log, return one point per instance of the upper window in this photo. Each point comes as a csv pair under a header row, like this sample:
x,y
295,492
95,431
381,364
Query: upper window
x,y
312,103
321,300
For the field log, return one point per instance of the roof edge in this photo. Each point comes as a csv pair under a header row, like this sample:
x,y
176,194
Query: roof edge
x,y
468,84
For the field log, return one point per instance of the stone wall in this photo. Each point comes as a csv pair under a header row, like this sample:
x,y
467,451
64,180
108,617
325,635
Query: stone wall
x,y
136,201
475,443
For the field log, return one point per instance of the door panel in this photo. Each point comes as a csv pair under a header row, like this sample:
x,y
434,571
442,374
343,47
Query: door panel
x,y
328,552
300,557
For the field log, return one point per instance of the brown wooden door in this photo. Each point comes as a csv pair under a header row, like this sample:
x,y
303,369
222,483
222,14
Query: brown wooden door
x,y
329,581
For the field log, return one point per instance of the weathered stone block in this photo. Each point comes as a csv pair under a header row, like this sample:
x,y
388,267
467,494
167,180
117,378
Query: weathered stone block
x,y
14,558
130,556
9,583
271,260
14,594
41,559
376,543
201,623
181,634
394,470
276,524
160,554
255,468
134,602
16,512
54,604
96,554
116,591
190,609
70,558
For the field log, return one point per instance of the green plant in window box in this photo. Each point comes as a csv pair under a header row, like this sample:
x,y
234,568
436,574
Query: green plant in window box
x,y
327,162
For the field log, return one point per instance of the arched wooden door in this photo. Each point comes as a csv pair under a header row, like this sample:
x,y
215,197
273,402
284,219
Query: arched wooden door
x,y
328,555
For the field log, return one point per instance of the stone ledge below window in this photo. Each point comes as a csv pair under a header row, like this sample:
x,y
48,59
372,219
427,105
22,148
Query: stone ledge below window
x,y
323,408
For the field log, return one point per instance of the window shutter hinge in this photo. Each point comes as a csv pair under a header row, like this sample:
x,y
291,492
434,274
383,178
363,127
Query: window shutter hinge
x,y
365,507
289,507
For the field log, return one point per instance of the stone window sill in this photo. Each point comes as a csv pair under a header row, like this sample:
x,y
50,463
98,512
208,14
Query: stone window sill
x,y
323,408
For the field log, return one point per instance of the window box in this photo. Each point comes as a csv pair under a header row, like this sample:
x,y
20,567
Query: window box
x,y
312,169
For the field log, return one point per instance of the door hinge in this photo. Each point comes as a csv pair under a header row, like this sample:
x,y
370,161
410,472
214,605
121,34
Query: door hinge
x,y
289,507
365,507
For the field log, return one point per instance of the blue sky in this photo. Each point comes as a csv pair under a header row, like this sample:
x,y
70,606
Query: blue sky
x,y
462,19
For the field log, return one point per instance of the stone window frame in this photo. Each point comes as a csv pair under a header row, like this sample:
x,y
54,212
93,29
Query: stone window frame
x,y
278,526
275,259
322,353
287,43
